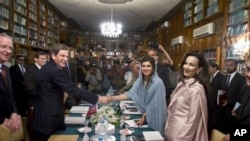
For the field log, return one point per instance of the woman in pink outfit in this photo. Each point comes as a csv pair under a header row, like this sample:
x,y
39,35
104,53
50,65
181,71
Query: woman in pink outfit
x,y
187,111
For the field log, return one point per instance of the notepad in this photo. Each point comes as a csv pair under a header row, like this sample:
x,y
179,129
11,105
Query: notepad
x,y
79,109
152,136
75,120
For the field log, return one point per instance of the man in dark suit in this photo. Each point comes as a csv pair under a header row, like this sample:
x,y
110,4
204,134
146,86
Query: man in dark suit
x,y
8,112
215,85
30,83
162,71
17,76
243,113
233,84
52,82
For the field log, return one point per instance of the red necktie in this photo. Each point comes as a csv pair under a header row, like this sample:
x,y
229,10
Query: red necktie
x,y
3,72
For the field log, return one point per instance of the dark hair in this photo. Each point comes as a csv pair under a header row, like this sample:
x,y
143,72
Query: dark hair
x,y
38,53
152,61
155,50
214,65
203,77
19,56
232,60
57,48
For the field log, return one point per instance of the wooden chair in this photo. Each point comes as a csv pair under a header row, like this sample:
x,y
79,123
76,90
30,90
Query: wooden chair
x,y
6,135
217,135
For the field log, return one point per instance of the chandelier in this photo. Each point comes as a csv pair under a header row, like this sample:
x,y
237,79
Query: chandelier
x,y
111,29
115,1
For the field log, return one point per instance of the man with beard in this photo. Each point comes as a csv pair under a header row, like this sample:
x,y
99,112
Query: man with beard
x,y
232,84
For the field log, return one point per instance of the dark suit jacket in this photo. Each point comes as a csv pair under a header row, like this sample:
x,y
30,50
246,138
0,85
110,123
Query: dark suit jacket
x,y
52,82
30,83
17,78
234,90
18,89
215,85
72,72
7,104
162,71
244,110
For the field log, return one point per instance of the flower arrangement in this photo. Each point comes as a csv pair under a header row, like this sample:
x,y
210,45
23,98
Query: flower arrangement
x,y
107,112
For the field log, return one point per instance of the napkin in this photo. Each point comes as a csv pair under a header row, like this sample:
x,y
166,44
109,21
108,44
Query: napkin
x,y
152,136
111,128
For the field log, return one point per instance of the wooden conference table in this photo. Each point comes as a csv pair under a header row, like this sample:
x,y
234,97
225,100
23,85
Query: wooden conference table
x,y
71,133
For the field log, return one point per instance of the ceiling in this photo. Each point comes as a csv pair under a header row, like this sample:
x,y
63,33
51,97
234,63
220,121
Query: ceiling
x,y
136,15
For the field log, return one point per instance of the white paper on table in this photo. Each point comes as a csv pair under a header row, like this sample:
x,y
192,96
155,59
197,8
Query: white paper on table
x,y
75,120
131,123
79,109
132,112
152,136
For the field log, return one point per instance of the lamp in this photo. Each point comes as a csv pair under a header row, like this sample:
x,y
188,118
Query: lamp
x,y
111,29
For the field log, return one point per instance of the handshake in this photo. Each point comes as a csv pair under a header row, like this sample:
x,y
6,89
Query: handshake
x,y
105,99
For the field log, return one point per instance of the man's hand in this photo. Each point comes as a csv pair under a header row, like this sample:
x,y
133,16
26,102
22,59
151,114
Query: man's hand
x,y
104,99
17,120
14,123
234,113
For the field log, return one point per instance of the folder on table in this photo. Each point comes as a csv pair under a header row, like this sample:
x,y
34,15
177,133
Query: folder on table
x,y
79,109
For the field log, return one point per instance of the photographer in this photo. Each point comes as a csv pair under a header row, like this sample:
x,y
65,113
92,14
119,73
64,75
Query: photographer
x,y
94,77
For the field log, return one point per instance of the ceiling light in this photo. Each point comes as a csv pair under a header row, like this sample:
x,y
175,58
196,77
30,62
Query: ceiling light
x,y
115,1
111,29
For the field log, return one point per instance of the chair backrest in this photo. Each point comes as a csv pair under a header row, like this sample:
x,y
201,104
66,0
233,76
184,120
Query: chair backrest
x,y
217,135
6,135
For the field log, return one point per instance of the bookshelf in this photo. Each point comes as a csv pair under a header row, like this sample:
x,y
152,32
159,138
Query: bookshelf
x,y
212,7
187,13
5,14
20,21
198,10
210,54
33,24
237,17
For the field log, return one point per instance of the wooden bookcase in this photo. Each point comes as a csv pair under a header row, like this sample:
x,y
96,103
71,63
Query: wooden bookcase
x,y
197,10
33,24
236,35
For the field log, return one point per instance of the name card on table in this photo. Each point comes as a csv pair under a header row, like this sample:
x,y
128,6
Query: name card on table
x,y
152,136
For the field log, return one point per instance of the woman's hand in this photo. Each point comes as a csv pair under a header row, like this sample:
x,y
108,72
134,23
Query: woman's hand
x,y
141,121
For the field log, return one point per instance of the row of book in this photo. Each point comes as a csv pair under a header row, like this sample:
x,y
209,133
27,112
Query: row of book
x,y
235,4
20,19
238,17
4,12
20,8
236,30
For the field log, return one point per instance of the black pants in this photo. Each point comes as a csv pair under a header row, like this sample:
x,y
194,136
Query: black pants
x,y
40,136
